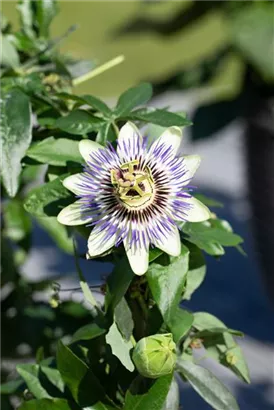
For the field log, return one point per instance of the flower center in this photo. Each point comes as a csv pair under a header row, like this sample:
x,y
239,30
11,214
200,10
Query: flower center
x,y
134,187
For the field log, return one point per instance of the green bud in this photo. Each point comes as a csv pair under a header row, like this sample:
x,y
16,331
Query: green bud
x,y
155,356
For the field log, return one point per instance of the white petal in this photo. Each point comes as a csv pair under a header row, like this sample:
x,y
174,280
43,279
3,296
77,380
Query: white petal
x,y
86,147
192,163
171,137
138,258
198,212
97,244
129,142
171,244
74,183
74,214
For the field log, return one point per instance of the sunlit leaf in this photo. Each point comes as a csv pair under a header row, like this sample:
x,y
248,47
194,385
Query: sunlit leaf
x,y
120,347
15,137
133,97
207,385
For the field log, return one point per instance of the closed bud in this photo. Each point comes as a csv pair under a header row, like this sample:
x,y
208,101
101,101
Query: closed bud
x,y
155,356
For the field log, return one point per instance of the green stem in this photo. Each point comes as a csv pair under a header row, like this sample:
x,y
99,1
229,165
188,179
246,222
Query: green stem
x,y
99,70
85,288
116,129
133,341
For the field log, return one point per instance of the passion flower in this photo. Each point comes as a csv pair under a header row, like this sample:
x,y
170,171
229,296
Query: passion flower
x,y
134,195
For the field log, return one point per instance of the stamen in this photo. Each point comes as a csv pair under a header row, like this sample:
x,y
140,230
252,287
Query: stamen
x,y
130,165
134,187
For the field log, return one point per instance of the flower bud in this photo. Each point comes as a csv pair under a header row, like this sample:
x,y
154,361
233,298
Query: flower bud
x,y
155,356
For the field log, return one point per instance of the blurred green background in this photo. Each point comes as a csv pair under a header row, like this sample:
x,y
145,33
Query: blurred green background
x,y
147,55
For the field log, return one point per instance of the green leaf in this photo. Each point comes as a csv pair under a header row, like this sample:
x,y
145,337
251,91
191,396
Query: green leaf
x,y
29,84
196,272
235,361
4,23
117,284
96,103
56,152
123,319
167,282
15,137
78,377
79,122
88,332
120,347
9,55
210,238
173,398
46,404
219,346
11,387
46,10
251,31
106,133
217,331
48,199
154,254
17,223
40,312
154,397
133,97
207,385
159,117
54,377
26,17
99,406
180,324
206,321
30,373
